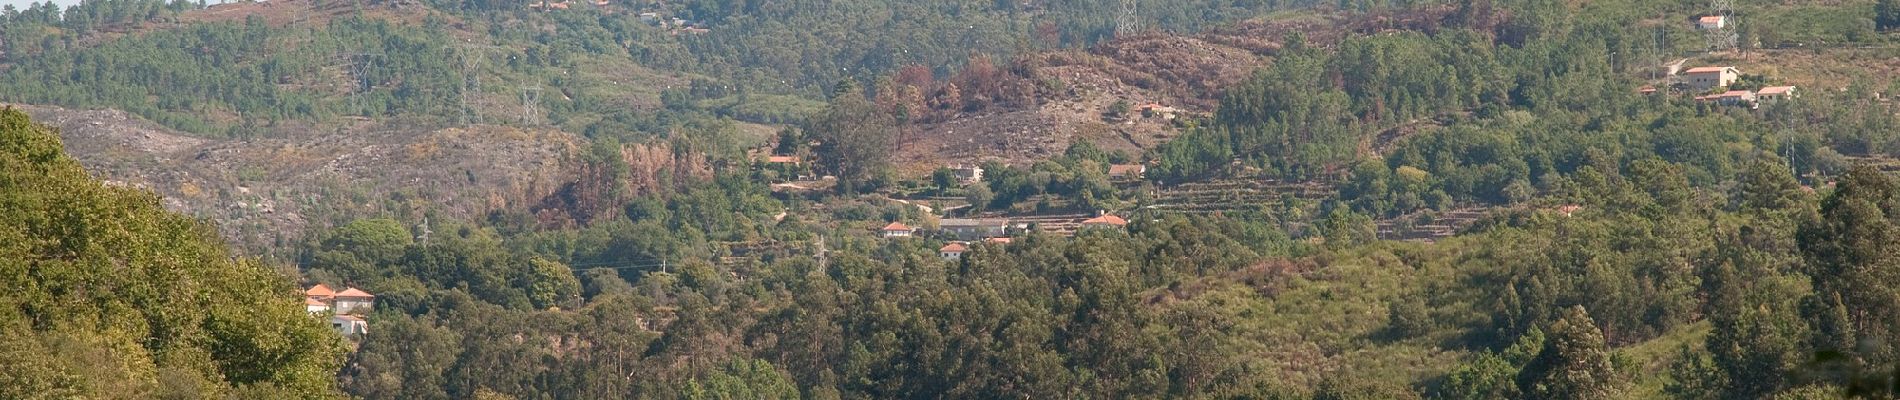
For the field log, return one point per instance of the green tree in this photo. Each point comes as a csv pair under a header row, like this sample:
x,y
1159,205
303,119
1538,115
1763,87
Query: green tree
x,y
854,139
551,283
110,296
1851,261
1887,14
1574,364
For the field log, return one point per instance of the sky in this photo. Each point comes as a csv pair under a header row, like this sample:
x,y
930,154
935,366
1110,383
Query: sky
x,y
21,4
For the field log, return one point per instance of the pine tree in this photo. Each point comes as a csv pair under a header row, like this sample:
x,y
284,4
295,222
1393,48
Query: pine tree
x,y
1574,364
1887,14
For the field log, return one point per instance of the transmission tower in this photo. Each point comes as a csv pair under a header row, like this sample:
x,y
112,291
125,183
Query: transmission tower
x,y
530,105
1129,20
360,66
1721,37
472,56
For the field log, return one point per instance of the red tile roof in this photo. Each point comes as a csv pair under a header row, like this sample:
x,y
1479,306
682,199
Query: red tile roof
x,y
1711,19
953,248
313,302
1125,169
782,159
1106,220
896,226
998,240
1775,90
319,291
354,294
1706,70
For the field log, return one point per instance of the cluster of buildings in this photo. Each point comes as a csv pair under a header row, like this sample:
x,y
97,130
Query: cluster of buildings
x,y
965,232
1705,79
345,309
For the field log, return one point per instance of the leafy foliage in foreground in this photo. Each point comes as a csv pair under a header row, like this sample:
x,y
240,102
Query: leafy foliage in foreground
x,y
110,296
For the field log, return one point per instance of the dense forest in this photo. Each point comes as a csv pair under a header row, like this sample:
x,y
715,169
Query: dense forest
x,y
1630,244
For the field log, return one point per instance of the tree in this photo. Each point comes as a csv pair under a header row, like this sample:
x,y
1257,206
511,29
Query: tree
x,y
551,283
1851,262
110,295
1574,364
1887,14
854,139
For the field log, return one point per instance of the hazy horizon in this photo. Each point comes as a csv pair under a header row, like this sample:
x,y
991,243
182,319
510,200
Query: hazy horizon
x,y
23,4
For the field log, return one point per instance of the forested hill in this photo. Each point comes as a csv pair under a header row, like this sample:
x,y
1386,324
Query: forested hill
x,y
110,296
1509,199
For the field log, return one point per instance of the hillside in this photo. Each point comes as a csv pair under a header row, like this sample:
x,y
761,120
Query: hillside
x,y
264,193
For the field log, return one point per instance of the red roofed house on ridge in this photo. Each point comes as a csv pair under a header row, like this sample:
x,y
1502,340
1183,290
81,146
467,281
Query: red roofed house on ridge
x,y
953,251
896,230
1105,221
319,293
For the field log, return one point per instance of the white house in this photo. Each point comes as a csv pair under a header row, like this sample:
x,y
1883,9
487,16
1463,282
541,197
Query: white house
x,y
350,300
314,307
1711,22
968,173
349,324
952,251
896,230
1704,78
1774,94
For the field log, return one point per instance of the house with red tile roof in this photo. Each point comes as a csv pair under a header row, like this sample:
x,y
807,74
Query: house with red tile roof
x,y
1126,171
319,293
350,300
1773,94
953,251
1711,22
896,230
1105,221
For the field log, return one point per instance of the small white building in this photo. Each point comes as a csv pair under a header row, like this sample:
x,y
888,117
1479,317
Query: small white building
x,y
1711,22
952,251
315,307
896,230
1705,78
349,325
1773,94
968,173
